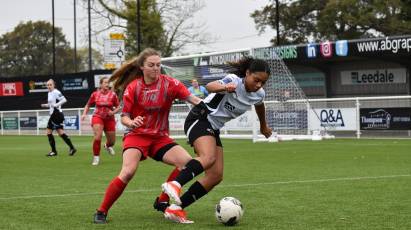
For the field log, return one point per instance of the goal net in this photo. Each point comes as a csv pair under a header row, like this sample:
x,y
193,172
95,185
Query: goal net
x,y
287,108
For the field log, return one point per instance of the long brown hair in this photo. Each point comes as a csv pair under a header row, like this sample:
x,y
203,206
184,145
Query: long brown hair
x,y
131,70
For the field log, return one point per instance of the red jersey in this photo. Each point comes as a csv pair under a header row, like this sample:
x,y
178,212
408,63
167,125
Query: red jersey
x,y
153,102
104,101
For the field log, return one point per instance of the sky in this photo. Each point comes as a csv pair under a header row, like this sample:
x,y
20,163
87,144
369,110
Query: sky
x,y
228,21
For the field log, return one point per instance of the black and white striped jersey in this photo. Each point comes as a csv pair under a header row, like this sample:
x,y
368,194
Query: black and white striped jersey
x,y
226,106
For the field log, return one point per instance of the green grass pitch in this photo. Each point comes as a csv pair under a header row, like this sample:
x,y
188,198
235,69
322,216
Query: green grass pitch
x,y
332,184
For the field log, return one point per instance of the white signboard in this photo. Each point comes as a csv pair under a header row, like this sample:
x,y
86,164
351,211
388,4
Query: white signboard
x,y
97,78
176,121
374,76
42,121
114,51
243,122
334,119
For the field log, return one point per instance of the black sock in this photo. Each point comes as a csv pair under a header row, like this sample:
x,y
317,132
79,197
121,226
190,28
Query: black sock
x,y
191,170
52,142
67,140
195,192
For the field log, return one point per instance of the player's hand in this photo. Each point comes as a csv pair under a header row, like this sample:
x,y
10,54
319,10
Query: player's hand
x,y
230,87
83,117
266,131
136,122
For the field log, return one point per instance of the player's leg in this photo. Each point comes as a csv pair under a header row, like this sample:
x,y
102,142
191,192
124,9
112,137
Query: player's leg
x,y
131,159
67,140
52,142
162,201
180,158
200,134
98,133
167,151
110,131
213,176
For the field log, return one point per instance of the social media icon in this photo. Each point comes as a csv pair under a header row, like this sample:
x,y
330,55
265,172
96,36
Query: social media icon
x,y
326,49
311,50
341,48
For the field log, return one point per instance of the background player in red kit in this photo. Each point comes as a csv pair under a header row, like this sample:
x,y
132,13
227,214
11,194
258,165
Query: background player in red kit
x,y
107,104
147,99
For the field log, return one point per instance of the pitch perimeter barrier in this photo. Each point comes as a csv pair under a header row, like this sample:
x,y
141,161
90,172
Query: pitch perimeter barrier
x,y
358,117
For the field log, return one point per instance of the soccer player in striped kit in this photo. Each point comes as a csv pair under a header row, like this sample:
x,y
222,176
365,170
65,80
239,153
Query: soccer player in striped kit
x,y
147,98
230,97
55,100
106,105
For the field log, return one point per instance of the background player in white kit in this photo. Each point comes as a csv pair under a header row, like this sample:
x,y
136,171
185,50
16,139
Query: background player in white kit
x,y
54,101
230,97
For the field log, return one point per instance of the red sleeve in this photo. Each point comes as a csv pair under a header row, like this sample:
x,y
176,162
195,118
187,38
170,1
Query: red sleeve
x,y
92,99
181,90
128,99
115,100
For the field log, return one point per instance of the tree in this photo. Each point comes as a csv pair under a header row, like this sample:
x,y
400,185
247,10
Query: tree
x,y
82,62
27,50
316,20
166,24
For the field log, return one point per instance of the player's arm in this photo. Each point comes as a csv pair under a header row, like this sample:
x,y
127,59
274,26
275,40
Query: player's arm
x,y
184,94
90,101
224,85
128,103
264,128
61,99
86,109
194,100
116,108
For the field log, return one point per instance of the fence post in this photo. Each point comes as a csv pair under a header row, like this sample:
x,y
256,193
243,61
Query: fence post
x,y
79,121
2,123
357,104
37,122
18,122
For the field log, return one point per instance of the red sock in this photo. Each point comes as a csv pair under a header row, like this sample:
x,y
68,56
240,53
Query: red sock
x,y
96,147
163,196
113,192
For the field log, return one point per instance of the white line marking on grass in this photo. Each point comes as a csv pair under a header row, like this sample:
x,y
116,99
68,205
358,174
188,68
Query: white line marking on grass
x,y
221,186
318,180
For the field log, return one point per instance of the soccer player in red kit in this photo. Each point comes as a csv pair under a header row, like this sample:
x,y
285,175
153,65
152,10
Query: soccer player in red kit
x,y
147,99
106,105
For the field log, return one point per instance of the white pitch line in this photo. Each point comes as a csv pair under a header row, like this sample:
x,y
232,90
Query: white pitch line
x,y
221,186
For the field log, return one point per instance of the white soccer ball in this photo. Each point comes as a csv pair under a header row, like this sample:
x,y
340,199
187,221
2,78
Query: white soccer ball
x,y
229,211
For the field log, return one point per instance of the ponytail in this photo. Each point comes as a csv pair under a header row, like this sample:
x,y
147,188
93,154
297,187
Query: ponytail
x,y
248,63
130,70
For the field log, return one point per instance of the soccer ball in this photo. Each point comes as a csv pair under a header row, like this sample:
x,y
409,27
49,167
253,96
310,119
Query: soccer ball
x,y
229,211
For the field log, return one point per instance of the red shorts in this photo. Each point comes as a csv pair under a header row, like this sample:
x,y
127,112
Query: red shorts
x,y
108,124
151,146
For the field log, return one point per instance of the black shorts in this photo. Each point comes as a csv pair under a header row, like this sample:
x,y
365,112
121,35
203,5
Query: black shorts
x,y
196,125
56,120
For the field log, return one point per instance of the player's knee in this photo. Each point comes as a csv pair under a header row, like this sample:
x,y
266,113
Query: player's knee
x,y
126,175
215,178
98,137
207,160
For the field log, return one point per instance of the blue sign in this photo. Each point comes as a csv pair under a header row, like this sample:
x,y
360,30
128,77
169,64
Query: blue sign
x,y
71,122
341,48
311,50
